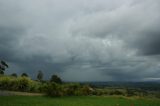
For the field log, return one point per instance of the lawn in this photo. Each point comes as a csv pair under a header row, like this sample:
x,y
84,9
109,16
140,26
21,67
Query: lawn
x,y
75,101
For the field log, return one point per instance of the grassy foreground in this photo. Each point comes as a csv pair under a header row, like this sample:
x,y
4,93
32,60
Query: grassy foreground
x,y
75,101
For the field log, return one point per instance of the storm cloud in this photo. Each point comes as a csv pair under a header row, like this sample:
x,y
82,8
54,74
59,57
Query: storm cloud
x,y
86,40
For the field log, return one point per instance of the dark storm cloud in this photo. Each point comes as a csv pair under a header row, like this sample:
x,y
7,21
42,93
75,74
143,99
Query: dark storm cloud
x,y
148,43
82,40
8,42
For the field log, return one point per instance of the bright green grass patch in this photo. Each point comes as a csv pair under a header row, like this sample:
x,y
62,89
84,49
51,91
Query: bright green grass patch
x,y
75,101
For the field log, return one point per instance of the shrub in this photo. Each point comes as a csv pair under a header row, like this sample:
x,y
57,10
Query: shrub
x,y
5,82
130,92
116,92
24,84
70,89
54,90
14,85
21,84
43,87
85,90
34,86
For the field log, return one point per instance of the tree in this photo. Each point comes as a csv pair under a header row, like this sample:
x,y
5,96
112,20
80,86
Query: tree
x,y
40,75
24,75
3,66
56,79
14,75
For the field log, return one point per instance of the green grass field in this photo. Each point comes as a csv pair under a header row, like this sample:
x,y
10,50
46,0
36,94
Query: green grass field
x,y
75,101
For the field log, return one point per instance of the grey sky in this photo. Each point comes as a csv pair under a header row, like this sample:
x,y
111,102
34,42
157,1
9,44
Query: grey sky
x,y
82,40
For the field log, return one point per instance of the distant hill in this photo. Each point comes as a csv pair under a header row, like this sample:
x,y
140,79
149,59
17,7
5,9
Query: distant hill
x,y
150,86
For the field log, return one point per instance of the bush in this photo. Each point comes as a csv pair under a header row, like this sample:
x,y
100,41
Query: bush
x,y
116,92
86,90
43,87
130,92
70,89
34,86
76,90
5,83
24,84
15,84
54,90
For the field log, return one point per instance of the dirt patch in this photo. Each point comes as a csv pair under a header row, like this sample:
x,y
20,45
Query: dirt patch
x,y
12,93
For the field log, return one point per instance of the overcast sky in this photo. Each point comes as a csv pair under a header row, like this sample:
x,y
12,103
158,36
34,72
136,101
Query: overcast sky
x,y
82,40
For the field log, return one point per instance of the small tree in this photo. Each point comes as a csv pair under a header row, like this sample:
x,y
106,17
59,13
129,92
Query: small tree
x,y
3,66
56,79
14,75
40,75
24,75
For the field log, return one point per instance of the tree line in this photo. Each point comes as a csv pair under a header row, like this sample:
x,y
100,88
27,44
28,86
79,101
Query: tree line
x,y
4,66
54,78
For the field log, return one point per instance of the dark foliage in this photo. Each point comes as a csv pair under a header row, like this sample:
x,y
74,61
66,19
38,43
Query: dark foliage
x,y
24,75
56,79
54,90
3,66
40,76
14,75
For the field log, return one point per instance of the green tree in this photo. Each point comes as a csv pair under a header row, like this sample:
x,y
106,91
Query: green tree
x,y
3,66
14,75
24,75
40,75
56,79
